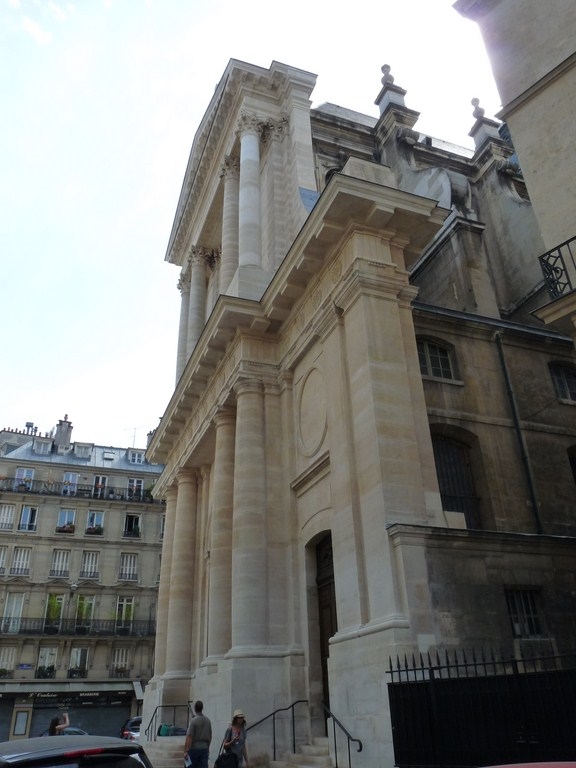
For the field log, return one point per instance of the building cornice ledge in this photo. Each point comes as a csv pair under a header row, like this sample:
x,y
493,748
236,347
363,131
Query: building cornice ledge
x,y
404,533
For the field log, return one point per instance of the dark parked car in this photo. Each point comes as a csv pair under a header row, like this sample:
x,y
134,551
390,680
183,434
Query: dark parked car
x,y
68,731
70,751
131,729
566,764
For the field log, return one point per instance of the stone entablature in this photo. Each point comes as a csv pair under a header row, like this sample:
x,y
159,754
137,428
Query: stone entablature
x,y
270,93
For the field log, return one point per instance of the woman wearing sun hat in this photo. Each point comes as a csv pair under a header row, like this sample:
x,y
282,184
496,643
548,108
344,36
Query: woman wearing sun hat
x,y
235,738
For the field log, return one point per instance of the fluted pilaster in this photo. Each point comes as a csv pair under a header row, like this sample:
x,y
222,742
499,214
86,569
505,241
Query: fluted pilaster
x,y
249,573
249,223
164,586
179,635
182,358
197,308
230,222
220,584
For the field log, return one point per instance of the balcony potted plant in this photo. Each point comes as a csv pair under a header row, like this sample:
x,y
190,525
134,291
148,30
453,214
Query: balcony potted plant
x,y
68,528
77,672
95,530
46,671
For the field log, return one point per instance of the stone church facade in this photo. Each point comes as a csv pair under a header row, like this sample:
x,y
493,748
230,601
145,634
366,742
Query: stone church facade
x,y
371,445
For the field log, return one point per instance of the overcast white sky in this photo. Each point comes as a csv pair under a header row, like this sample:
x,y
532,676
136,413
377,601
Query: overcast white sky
x,y
100,101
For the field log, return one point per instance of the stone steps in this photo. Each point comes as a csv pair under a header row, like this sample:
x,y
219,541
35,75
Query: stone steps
x,y
168,752
315,755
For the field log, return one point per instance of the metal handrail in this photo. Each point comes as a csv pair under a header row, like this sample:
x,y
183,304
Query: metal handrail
x,y
273,716
350,738
152,728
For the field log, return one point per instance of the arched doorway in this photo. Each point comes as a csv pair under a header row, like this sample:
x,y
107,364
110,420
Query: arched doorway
x,y
326,606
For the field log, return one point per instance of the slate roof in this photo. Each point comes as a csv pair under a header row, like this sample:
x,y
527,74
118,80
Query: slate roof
x,y
119,463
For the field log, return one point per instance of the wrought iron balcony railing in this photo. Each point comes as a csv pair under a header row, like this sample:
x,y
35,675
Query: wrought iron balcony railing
x,y
78,672
89,574
133,533
127,576
119,672
14,625
559,268
49,488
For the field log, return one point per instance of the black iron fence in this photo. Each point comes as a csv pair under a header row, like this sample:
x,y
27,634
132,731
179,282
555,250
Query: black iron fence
x,y
472,709
14,625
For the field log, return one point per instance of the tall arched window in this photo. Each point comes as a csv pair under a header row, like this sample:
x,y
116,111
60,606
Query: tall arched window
x,y
453,468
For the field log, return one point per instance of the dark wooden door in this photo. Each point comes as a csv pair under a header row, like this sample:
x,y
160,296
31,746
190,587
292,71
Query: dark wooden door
x,y
326,606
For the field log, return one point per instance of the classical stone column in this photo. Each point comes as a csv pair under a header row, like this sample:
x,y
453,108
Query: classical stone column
x,y
249,224
197,308
182,359
179,635
249,572
164,586
229,258
220,584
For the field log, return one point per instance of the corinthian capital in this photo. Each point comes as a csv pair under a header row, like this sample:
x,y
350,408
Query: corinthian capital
x,y
231,166
248,124
274,129
184,282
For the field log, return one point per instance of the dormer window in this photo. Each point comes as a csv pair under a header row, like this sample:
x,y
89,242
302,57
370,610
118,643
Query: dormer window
x,y
83,450
42,447
136,457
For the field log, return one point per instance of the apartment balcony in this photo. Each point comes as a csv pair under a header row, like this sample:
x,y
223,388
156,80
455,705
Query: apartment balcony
x,y
89,574
47,672
131,533
68,528
15,626
127,576
119,672
45,488
27,527
559,270
78,672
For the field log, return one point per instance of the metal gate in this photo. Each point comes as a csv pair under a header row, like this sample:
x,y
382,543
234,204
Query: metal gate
x,y
479,709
